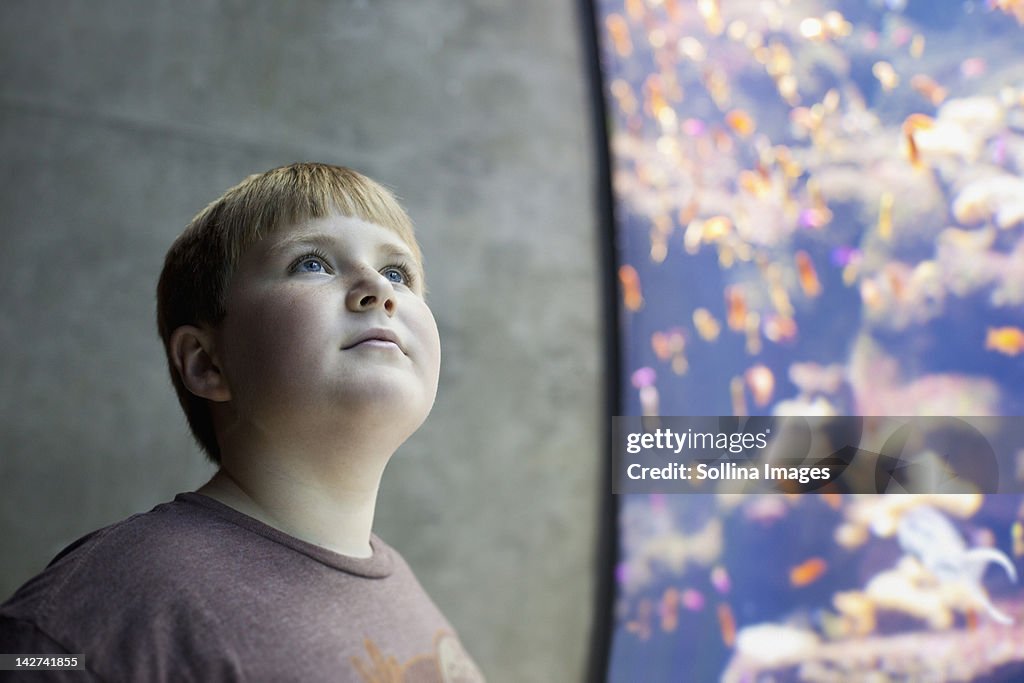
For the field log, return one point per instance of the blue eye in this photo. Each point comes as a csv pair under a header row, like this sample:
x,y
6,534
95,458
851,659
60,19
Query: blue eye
x,y
397,275
310,263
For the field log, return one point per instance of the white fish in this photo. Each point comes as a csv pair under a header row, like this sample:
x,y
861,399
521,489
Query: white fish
x,y
929,536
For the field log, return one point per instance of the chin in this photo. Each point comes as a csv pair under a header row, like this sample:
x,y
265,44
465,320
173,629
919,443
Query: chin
x,y
393,404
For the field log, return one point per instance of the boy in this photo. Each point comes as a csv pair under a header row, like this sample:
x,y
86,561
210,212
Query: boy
x,y
303,353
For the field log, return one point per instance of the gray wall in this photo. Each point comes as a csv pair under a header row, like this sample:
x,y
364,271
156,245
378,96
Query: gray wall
x,y
120,119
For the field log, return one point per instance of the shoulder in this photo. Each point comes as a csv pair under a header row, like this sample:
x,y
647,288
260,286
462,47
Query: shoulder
x,y
138,584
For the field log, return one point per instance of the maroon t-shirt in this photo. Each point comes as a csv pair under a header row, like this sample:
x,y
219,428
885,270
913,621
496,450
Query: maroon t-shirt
x,y
194,590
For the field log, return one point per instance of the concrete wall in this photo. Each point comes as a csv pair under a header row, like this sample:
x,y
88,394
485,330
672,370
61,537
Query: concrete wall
x,y
120,119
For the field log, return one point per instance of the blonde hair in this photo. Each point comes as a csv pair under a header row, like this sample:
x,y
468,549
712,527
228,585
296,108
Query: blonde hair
x,y
200,263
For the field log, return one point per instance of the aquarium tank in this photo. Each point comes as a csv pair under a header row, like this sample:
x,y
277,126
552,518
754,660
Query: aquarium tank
x,y
819,211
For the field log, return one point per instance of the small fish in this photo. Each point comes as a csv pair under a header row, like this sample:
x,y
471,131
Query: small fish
x,y
1017,536
720,579
641,625
659,344
635,9
643,377
692,600
753,327
694,127
669,610
812,28
808,276
650,401
716,228
885,216
843,256
911,125
618,31
727,624
631,295
761,382
740,122
973,67
928,88
917,46
886,75
836,25
736,308
739,401
901,35
707,327
711,12
807,572
779,328
1006,340
623,94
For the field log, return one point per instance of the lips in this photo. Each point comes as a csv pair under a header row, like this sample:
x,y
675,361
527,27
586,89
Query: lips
x,y
378,334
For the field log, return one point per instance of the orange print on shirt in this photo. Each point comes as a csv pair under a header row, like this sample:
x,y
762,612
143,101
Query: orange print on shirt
x,y
448,663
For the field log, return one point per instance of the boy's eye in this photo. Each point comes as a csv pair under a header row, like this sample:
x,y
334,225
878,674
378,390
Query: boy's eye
x,y
309,263
397,275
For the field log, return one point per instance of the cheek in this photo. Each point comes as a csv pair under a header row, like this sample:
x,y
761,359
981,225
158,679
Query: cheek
x,y
428,334
271,338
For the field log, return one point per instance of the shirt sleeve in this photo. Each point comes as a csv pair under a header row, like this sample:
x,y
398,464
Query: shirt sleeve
x,y
18,636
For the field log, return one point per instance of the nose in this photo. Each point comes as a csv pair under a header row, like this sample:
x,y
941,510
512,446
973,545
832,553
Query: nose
x,y
372,290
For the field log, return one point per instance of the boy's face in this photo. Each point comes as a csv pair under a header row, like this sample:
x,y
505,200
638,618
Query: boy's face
x,y
326,325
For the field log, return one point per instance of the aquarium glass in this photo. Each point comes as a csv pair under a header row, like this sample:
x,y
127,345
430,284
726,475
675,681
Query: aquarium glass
x,y
819,210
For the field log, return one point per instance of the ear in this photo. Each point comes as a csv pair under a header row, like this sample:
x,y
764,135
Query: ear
x,y
194,355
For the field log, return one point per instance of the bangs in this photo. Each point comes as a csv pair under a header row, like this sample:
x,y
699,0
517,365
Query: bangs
x,y
262,204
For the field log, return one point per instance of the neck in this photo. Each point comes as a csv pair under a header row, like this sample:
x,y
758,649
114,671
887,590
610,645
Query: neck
x,y
312,499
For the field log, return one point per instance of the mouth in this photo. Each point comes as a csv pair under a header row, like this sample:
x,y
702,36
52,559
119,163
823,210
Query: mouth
x,y
378,337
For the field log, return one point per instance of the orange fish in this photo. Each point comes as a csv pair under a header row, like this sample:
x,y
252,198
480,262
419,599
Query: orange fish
x,y
911,125
736,308
631,294
1006,340
807,572
707,327
716,227
885,216
928,88
1017,536
741,122
618,31
780,328
809,281
635,9
917,46
669,610
727,624
660,346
